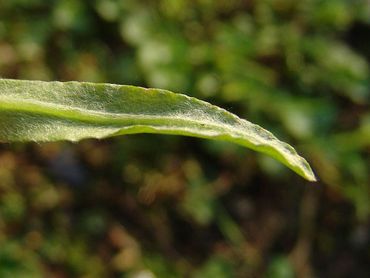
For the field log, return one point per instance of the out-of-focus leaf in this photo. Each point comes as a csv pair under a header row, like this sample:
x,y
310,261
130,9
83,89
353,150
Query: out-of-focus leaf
x,y
280,267
216,267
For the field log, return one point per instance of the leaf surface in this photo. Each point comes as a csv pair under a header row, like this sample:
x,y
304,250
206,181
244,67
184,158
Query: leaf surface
x,y
51,111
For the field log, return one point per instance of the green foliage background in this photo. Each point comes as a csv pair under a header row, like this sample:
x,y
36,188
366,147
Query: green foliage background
x,y
162,206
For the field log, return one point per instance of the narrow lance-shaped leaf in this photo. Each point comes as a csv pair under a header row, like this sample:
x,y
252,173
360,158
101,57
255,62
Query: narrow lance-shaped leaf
x,y
51,111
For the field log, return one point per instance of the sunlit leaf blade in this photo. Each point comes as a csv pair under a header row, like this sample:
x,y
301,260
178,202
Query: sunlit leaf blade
x,y
51,111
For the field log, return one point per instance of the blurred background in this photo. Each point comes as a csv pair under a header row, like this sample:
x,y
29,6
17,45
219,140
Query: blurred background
x,y
144,206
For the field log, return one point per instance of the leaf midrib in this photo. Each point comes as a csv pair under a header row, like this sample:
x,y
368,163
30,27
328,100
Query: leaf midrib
x,y
94,117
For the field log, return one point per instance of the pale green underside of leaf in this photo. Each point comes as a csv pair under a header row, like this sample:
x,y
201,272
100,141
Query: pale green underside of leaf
x,y
51,111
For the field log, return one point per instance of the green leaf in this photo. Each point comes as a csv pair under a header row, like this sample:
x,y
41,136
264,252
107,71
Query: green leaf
x,y
51,111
